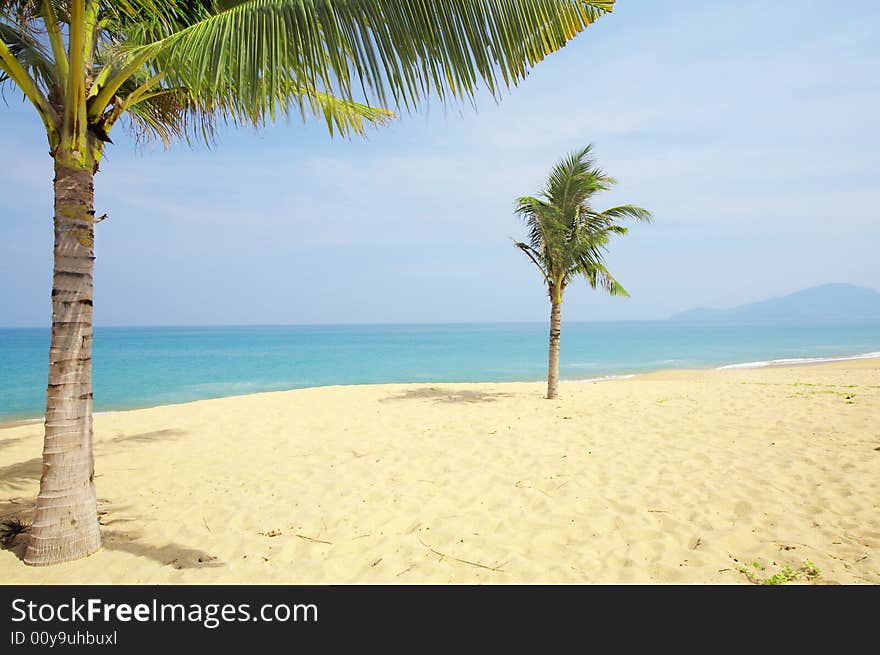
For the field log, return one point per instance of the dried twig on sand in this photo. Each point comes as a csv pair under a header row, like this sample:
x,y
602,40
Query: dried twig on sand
x,y
464,561
317,541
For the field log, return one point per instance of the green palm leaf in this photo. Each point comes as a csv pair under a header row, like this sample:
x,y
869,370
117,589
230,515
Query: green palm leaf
x,y
30,53
248,61
567,237
247,56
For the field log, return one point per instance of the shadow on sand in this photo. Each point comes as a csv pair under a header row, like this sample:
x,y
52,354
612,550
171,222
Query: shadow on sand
x,y
14,477
132,542
6,442
439,395
170,554
20,475
143,437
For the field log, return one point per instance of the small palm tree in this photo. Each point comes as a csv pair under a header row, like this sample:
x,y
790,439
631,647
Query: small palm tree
x,y
567,237
173,69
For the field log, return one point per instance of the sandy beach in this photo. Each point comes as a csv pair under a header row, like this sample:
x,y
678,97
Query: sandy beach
x,y
669,477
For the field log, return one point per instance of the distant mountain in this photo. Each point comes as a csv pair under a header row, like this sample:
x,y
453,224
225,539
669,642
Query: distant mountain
x,y
825,302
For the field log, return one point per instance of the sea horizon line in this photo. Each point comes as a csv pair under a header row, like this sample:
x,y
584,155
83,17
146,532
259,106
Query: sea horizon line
x,y
669,319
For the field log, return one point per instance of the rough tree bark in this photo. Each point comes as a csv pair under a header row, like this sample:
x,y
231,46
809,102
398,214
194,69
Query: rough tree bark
x,y
66,523
553,363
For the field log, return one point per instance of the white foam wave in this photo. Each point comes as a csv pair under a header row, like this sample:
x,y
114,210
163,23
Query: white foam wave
x,y
603,378
798,360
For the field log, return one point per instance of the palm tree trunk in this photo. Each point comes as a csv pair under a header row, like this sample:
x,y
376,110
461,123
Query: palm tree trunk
x,y
66,524
553,364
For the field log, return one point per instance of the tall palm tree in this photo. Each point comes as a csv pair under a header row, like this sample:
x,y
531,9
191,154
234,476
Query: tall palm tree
x,y
568,238
173,69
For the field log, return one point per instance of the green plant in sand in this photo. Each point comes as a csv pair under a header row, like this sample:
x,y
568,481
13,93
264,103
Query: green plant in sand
x,y
807,572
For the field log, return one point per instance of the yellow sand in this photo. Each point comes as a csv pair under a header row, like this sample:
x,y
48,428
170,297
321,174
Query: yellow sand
x,y
673,477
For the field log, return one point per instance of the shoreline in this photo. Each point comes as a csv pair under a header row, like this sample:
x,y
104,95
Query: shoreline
x,y
798,361
745,366
681,477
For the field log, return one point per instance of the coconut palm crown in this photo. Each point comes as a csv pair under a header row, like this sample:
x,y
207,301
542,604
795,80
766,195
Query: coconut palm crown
x,y
568,238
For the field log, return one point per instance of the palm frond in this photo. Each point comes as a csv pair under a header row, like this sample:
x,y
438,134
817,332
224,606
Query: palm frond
x,y
536,258
30,53
169,115
599,277
174,114
248,61
345,116
167,15
627,211
536,214
569,179
584,252
568,237
20,12
386,51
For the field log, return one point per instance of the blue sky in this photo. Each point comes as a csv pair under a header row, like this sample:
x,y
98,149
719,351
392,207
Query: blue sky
x,y
749,129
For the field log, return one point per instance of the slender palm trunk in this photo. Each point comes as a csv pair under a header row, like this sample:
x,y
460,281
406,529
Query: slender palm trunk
x,y
66,524
553,363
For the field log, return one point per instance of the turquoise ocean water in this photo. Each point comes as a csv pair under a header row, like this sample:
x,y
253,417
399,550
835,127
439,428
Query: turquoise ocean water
x,y
144,367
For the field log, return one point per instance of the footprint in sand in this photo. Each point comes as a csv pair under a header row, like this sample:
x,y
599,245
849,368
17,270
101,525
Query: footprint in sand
x,y
742,509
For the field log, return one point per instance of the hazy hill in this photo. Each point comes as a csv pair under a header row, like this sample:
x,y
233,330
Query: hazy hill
x,y
828,301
